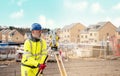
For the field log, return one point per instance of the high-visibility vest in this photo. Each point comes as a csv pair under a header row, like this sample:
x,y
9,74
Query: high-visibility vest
x,y
35,52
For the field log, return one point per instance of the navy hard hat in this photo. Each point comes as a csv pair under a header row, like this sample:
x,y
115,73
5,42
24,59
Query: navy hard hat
x,y
36,26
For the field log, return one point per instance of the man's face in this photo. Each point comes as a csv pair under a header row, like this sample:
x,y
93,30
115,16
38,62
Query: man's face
x,y
36,33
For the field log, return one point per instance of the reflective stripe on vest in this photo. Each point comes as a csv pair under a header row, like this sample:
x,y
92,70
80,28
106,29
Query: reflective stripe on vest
x,y
37,53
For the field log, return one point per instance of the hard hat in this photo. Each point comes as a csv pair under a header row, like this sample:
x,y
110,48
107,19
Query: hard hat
x,y
36,26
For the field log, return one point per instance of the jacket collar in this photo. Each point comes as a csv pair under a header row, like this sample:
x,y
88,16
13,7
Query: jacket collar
x,y
34,39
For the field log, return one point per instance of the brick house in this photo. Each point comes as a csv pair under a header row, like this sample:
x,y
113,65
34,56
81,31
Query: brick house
x,y
97,32
8,35
5,35
70,33
15,36
118,34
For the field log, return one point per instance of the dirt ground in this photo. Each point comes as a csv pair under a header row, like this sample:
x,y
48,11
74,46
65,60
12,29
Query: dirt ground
x,y
74,67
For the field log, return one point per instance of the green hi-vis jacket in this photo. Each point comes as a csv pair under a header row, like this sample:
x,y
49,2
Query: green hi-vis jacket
x,y
35,52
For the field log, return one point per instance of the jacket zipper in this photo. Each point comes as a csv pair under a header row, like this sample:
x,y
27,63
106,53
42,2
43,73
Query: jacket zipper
x,y
35,49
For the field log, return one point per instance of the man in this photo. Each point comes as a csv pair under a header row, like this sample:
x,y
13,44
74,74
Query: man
x,y
35,53
54,41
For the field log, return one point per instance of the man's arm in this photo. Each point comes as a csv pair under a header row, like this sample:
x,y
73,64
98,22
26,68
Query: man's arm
x,y
44,52
28,58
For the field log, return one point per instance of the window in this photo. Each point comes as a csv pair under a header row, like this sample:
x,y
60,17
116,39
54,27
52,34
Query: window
x,y
95,34
107,34
118,33
118,40
90,34
81,36
17,38
95,40
11,34
86,36
78,30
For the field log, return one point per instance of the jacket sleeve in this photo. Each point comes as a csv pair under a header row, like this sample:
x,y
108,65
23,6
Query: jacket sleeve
x,y
44,51
28,58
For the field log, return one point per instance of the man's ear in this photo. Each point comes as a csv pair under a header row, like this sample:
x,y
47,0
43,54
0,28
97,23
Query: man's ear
x,y
32,31
41,31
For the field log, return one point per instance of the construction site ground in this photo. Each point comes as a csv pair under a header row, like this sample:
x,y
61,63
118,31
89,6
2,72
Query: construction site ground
x,y
74,67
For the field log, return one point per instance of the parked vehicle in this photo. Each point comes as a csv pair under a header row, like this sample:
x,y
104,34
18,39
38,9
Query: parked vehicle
x,y
7,53
18,56
19,53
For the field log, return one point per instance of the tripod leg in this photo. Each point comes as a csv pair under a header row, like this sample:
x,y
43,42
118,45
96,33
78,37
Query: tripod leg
x,y
60,65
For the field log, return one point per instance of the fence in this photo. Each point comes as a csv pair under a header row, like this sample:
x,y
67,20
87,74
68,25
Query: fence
x,y
87,50
7,53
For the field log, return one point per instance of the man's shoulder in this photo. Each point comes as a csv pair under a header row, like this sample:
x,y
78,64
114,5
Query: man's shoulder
x,y
43,40
27,40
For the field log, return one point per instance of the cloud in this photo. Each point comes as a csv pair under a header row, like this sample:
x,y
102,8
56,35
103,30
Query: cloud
x,y
115,21
18,2
108,18
96,8
45,22
116,7
76,5
12,1
17,15
42,20
51,23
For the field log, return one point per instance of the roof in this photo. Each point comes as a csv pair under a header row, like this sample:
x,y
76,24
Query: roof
x,y
102,23
94,27
28,34
85,31
4,31
70,26
12,32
